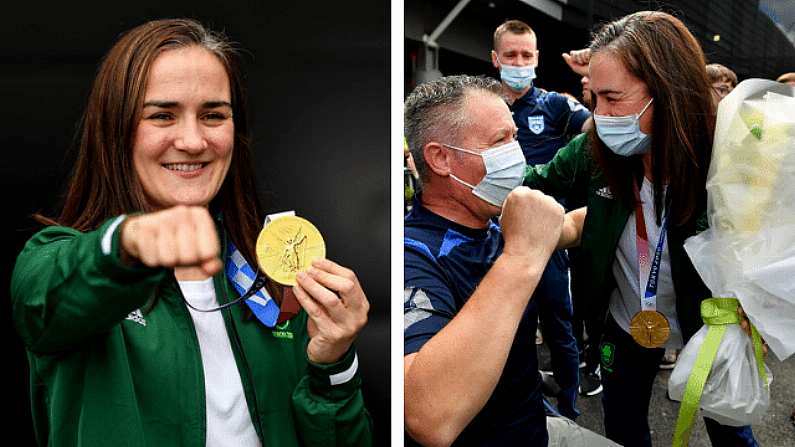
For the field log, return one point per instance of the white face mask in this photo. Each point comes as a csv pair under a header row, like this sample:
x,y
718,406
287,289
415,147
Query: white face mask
x,y
505,166
517,77
622,134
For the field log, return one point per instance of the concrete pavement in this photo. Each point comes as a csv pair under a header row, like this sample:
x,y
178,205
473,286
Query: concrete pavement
x,y
775,431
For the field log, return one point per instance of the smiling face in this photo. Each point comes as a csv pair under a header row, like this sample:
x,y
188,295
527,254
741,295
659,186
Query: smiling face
x,y
185,134
617,92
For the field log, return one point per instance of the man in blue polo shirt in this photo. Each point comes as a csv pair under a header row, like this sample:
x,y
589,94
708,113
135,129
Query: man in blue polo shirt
x,y
470,368
545,122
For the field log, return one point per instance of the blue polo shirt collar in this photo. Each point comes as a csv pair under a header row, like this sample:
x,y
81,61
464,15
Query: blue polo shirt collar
x,y
530,96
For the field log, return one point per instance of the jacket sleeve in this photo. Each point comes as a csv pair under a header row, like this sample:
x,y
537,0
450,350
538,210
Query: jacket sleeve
x,y
328,405
69,286
566,175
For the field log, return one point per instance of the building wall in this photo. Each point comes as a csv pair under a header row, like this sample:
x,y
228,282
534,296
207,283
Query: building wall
x,y
749,42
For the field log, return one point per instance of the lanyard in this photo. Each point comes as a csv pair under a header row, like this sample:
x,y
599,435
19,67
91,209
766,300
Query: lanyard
x,y
250,285
647,270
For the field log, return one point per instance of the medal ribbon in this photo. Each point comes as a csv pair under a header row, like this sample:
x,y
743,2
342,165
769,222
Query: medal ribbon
x,y
716,314
242,277
646,270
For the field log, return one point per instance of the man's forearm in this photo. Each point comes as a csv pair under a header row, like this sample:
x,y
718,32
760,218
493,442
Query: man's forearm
x,y
449,381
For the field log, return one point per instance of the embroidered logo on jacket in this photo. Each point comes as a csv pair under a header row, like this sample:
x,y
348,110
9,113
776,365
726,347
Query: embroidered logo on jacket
x,y
536,123
608,351
137,317
282,331
604,192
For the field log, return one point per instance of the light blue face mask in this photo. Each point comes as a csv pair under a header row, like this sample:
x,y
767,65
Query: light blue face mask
x,y
505,166
622,134
515,77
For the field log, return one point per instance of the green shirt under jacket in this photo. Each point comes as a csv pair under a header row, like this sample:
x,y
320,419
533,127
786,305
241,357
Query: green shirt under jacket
x,y
104,374
573,174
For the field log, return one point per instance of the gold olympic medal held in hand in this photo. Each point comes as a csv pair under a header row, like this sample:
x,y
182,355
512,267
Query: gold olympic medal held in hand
x,y
287,246
650,328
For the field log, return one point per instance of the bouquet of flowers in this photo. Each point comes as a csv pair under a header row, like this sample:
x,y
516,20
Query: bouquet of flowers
x,y
746,257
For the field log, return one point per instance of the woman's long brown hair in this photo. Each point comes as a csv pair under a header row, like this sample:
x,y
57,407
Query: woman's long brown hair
x,y
659,50
104,184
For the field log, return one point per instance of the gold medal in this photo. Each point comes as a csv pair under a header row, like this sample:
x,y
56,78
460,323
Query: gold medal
x,y
287,246
649,328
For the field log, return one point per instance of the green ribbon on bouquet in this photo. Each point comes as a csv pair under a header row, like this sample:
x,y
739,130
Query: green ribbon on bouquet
x,y
716,314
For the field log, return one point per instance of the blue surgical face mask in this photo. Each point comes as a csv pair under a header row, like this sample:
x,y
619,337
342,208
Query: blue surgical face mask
x,y
505,166
622,134
516,77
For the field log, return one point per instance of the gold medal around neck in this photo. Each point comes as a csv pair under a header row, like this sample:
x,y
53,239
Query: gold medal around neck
x,y
650,328
288,245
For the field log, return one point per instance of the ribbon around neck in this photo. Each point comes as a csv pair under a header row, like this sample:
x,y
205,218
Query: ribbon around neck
x,y
648,269
716,314
262,305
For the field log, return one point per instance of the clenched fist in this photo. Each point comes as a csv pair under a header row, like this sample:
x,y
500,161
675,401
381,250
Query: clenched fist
x,y
578,61
531,223
182,236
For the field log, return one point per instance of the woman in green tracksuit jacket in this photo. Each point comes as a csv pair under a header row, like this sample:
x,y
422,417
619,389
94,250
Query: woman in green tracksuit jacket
x,y
642,174
574,172
162,196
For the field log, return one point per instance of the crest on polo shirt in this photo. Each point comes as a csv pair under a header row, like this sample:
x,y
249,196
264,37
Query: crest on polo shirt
x,y
536,124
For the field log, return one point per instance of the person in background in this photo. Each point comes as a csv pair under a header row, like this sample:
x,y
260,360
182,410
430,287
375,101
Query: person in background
x,y
787,78
577,60
722,79
545,122
642,173
125,300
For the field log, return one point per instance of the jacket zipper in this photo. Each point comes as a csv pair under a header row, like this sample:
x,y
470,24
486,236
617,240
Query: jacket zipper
x,y
252,402
221,283
200,364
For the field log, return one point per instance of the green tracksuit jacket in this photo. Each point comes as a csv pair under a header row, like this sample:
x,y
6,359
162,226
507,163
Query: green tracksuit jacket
x,y
103,374
573,174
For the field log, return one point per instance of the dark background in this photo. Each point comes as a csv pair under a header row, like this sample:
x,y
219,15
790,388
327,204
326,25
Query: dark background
x,y
318,101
